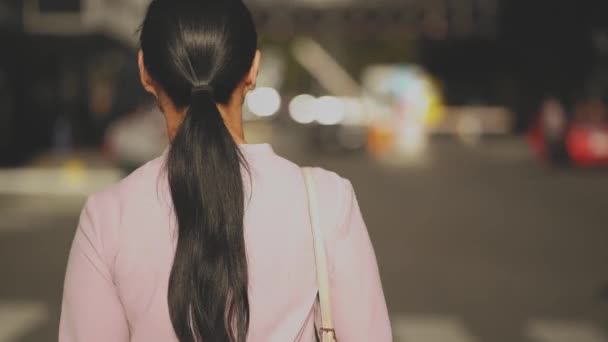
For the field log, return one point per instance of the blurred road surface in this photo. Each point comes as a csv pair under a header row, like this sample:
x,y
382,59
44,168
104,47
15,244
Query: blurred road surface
x,y
478,244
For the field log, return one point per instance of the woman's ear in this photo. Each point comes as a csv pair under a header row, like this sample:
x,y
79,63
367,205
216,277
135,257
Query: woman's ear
x,y
252,76
146,80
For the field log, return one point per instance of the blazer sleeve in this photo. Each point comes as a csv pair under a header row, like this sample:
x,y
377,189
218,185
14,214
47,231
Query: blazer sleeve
x,y
358,303
91,309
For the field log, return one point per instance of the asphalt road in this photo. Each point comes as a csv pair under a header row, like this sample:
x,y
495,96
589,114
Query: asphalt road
x,y
476,244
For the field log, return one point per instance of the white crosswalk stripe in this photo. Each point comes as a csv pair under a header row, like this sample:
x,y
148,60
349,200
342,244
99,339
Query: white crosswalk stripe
x,y
56,181
430,329
564,331
413,328
17,319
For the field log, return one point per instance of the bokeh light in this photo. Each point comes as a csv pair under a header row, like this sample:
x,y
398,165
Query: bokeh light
x,y
330,110
302,109
264,102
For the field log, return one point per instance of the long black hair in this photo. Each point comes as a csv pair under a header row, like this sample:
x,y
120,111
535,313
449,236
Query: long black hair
x,y
199,51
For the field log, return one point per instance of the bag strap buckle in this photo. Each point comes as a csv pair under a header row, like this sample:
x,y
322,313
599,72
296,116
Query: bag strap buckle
x,y
328,331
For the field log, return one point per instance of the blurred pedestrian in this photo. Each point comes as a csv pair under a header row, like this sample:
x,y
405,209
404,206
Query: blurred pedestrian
x,y
554,125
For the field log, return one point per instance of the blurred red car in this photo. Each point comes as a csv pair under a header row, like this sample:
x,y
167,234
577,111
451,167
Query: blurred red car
x,y
587,144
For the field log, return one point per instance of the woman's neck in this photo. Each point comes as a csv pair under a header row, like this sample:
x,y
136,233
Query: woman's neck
x,y
232,114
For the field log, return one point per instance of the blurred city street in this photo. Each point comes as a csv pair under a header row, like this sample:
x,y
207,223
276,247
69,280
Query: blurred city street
x,y
475,133
479,243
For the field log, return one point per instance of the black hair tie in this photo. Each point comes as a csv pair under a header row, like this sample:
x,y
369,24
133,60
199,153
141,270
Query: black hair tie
x,y
205,88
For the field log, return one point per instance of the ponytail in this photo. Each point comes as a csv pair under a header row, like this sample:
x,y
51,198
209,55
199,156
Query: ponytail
x,y
209,280
199,52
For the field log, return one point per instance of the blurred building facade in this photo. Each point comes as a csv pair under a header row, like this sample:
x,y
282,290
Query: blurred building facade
x,y
70,72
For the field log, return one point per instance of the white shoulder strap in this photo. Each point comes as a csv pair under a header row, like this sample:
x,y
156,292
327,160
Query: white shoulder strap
x,y
327,331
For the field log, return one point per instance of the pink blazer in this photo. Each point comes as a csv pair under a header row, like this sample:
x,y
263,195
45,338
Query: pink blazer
x,y
116,282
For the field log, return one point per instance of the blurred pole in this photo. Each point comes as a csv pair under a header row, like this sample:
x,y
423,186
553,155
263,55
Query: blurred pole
x,y
323,67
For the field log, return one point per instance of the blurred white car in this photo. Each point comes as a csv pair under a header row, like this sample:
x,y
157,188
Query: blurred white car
x,y
137,138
